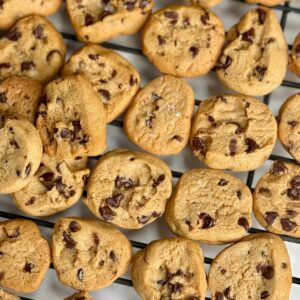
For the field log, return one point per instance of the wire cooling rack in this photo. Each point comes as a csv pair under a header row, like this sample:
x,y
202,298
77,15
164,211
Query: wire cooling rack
x,y
129,47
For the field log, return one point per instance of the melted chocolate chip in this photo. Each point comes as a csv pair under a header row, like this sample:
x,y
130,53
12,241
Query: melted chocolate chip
x,y
261,16
252,146
270,217
287,224
3,97
27,65
143,219
161,40
232,147
161,282
205,18
223,182
13,35
264,295
189,224
14,234
219,296
70,243
177,138
89,20
47,177
1,275
199,145
293,193
50,54
207,220
28,267
85,179
38,32
248,36
283,265
4,65
123,182
13,143
132,80
227,63
105,94
171,14
292,213
65,132
278,168
74,226
96,239
129,5
60,186
295,182
80,274
27,170
292,123
244,223
260,71
155,97
268,272
104,14
106,213
239,194
194,50
30,201
158,180
113,256
114,200
174,288
149,122
265,191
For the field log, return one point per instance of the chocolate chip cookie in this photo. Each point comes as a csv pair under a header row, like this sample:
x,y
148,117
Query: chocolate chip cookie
x,y
98,21
113,78
206,3
206,202
20,153
266,2
255,57
71,119
170,269
33,47
183,41
80,296
88,254
7,296
294,60
24,256
19,96
289,125
158,119
257,267
233,132
129,189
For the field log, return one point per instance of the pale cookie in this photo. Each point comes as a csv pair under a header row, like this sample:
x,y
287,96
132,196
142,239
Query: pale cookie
x,y
129,189
206,3
158,119
33,47
89,255
294,59
211,206
233,132
80,296
257,267
266,2
71,119
24,256
98,21
254,60
19,96
171,268
183,41
20,154
57,185
12,10
7,296
113,78
289,125
276,199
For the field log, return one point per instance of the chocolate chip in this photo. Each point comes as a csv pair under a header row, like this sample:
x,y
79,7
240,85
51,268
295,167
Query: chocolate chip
x,y
105,94
155,97
47,177
295,182
85,179
193,298
260,71
207,220
261,16
112,256
50,54
132,80
27,65
161,282
104,14
70,243
248,36
80,274
171,14
199,145
130,5
13,142
278,168
223,271
84,139
264,295
176,287
219,296
194,50
149,122
60,186
96,239
76,128
13,35
270,217
93,56
287,224
239,194
114,200
268,272
89,20
252,146
221,66
4,65
232,147
158,180
64,133
292,213
28,267
189,224
123,182
161,40
283,265
177,138
265,191
205,18
3,97
74,226
30,201
143,219
38,32
222,182
106,213
27,170
227,293
293,193
244,223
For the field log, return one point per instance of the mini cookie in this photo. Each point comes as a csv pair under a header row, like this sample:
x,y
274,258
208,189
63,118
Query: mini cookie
x,y
254,60
159,118
20,154
266,2
80,296
112,76
183,41
289,125
206,3
57,185
24,256
170,269
294,61
233,132
89,255
257,267
98,21
71,119
33,47
211,206
129,189
276,199
19,96
6,296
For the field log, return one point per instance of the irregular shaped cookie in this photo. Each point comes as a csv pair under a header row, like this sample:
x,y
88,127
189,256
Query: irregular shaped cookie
x,y
20,154
129,189
24,256
7,296
98,21
183,41
112,76
56,186
171,268
266,2
71,119
19,96
257,267
254,60
87,254
289,125
211,206
80,296
206,3
294,60
233,132
159,118
33,47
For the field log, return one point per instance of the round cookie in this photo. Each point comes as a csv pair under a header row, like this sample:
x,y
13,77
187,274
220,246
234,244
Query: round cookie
x,y
71,119
158,119
87,254
80,296
20,154
170,268
257,267
294,59
33,47
19,96
183,41
275,199
57,185
206,3
129,189
255,57
233,132
113,78
289,125
98,21
7,296
211,206
266,2
24,256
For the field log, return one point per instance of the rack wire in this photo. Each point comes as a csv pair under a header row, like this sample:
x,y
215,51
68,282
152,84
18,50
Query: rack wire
x,y
286,9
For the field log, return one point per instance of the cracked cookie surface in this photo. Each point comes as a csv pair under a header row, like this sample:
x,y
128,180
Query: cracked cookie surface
x,y
80,296
211,206
183,41
205,3
88,254
7,296
233,132
294,60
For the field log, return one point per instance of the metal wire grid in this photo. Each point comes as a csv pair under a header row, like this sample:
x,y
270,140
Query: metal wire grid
x,y
286,9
